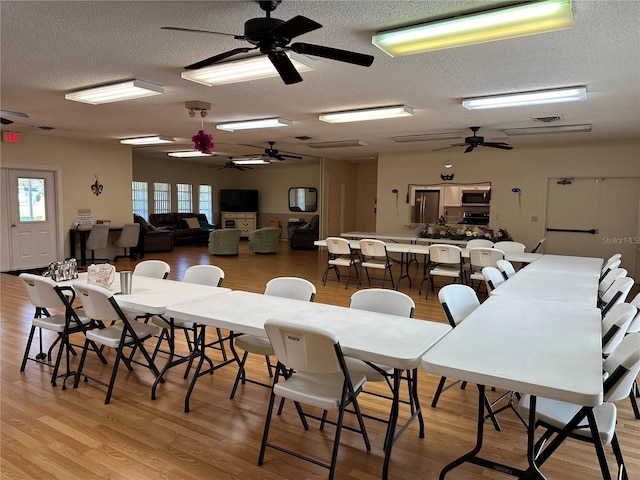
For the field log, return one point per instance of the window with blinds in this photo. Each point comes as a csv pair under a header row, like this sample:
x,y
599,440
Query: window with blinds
x,y
205,201
140,199
161,197
185,198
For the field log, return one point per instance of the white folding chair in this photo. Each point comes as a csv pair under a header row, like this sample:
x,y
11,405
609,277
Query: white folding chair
x,y
444,261
613,262
585,423
311,370
506,267
616,293
152,268
340,254
287,287
479,243
615,325
374,255
538,248
492,278
608,279
478,259
508,246
99,305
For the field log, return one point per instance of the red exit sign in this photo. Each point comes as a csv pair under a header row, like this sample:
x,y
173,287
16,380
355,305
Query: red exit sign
x,y
11,137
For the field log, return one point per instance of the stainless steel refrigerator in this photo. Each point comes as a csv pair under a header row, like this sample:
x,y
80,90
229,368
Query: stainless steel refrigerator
x,y
427,206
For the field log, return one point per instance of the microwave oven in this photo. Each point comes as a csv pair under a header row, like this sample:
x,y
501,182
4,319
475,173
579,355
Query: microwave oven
x,y
475,197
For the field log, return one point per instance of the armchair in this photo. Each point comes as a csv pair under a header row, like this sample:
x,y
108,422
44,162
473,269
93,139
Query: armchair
x,y
264,240
225,241
152,239
304,236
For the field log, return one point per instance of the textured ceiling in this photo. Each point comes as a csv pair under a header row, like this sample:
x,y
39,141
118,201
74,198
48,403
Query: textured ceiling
x,y
49,48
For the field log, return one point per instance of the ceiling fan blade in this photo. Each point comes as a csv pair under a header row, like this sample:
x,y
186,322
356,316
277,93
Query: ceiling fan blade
x,y
501,145
469,148
5,121
291,156
285,68
295,27
14,114
217,58
179,29
333,54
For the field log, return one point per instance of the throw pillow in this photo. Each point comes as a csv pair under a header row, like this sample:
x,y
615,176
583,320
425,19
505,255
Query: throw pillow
x,y
204,225
192,222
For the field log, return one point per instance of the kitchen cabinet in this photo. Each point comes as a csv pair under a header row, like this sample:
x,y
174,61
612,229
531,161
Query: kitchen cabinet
x,y
452,196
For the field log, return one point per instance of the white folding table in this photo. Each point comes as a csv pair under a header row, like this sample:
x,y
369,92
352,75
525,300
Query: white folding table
x,y
398,342
565,263
543,348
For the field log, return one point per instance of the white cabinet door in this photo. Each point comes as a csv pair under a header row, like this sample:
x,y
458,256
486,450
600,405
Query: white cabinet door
x,y
452,196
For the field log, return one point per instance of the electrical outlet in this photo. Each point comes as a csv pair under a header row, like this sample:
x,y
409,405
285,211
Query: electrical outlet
x,y
534,219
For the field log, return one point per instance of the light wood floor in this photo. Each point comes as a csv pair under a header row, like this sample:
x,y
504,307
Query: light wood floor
x,y
48,433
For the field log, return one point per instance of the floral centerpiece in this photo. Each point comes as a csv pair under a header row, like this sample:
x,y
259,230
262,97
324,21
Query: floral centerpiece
x,y
462,232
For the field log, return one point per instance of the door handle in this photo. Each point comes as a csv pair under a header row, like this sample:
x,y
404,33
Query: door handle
x,y
593,231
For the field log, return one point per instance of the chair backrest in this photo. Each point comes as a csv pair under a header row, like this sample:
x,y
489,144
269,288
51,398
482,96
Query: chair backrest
x,y
479,242
458,301
304,348
204,275
152,268
443,253
42,291
291,287
485,257
539,245
615,325
98,236
608,266
373,248
509,246
608,279
129,236
506,267
616,293
338,246
96,302
615,256
634,326
492,277
382,300
622,368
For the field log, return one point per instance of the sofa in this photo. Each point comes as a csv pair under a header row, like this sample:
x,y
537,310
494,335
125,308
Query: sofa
x,y
187,228
225,241
151,239
304,236
265,240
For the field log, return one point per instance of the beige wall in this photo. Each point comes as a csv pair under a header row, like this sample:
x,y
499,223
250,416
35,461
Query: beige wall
x,y
80,161
526,167
339,197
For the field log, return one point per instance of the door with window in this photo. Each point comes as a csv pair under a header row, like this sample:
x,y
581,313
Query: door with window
x,y
31,217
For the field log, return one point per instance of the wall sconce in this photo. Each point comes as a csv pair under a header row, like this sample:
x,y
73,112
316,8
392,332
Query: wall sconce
x,y
96,187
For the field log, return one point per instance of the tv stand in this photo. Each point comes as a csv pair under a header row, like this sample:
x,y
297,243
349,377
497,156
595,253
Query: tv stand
x,y
245,221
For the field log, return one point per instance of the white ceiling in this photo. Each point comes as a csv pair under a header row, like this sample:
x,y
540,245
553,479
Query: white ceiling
x,y
51,47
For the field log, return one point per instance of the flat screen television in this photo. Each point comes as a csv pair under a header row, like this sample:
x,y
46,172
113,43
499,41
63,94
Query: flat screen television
x,y
239,200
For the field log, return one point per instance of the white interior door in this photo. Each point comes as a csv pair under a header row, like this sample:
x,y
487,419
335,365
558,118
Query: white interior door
x,y
608,206
32,218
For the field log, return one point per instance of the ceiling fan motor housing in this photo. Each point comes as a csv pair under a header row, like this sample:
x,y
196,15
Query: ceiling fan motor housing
x,y
257,30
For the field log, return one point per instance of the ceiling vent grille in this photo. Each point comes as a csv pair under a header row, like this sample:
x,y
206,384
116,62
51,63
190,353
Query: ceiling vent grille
x,y
550,119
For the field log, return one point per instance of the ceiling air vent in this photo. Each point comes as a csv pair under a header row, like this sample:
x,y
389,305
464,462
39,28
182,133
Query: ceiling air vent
x,y
550,119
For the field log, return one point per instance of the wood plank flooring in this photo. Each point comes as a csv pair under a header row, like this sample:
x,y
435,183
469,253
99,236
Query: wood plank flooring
x,y
48,433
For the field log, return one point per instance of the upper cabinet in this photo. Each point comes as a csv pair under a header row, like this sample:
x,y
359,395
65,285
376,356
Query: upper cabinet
x,y
452,196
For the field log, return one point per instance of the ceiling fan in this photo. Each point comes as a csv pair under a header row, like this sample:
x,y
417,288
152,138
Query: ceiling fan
x,y
477,141
9,113
230,164
275,153
272,36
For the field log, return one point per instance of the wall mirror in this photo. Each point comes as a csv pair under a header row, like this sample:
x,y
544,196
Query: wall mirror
x,y
303,199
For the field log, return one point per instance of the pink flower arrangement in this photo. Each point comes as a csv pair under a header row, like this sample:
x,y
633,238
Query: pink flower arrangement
x,y
202,141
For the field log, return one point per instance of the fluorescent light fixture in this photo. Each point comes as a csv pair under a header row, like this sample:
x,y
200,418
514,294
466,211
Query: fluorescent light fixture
x,y
364,114
251,161
250,124
245,69
155,140
115,92
497,24
428,137
540,97
585,127
190,153
340,143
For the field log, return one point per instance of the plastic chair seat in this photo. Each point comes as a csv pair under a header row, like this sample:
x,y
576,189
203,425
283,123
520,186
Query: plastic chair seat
x,y
254,344
111,336
343,262
445,271
358,367
56,323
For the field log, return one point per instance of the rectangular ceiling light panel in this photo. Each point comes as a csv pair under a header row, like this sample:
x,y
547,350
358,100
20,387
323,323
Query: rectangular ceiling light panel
x,y
378,113
251,124
156,140
428,137
339,143
585,127
541,97
189,154
115,92
243,70
515,21
251,161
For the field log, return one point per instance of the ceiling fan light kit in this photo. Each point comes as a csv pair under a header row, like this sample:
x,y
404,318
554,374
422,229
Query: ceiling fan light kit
x,y
246,69
251,124
488,26
115,92
154,140
365,114
585,127
338,144
539,97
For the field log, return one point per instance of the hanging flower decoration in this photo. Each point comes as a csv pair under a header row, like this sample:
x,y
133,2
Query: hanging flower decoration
x,y
202,141
519,192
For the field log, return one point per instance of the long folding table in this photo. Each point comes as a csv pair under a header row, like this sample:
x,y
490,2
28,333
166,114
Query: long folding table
x,y
398,342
